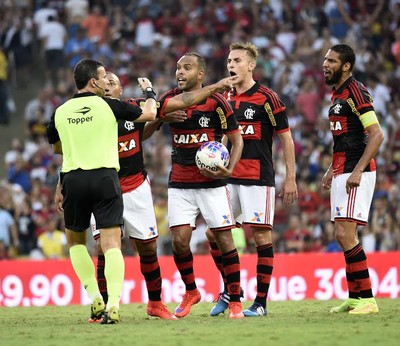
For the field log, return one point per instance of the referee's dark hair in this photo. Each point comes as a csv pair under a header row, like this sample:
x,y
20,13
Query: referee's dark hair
x,y
346,54
85,70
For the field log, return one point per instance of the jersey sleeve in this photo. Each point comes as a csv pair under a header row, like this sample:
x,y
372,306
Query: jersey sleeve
x,y
229,123
163,101
52,133
124,110
360,100
276,111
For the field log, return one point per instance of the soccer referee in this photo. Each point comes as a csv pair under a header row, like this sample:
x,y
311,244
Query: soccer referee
x,y
84,129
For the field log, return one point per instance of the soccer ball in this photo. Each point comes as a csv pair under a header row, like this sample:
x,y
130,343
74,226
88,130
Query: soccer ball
x,y
210,154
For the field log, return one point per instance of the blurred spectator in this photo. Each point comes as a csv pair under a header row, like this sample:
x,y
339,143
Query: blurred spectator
x,y
380,93
52,242
41,16
121,25
144,31
4,111
39,110
307,101
395,47
326,41
296,234
37,126
381,224
19,174
77,48
96,25
338,12
26,228
331,245
17,44
17,148
8,231
54,36
76,11
3,251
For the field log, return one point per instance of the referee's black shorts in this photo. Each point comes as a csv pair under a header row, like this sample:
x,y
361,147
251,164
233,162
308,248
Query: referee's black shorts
x,y
93,191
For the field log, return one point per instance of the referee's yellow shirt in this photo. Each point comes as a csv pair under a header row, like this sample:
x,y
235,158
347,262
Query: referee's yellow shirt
x,y
88,132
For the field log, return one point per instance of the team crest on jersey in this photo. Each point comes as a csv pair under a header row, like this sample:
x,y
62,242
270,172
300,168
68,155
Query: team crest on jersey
x,y
336,109
249,113
257,217
204,121
129,125
191,138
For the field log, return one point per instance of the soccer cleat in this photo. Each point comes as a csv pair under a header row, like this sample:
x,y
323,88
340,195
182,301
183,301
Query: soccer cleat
x,y
158,309
235,310
94,319
346,306
365,306
255,310
223,303
190,298
111,316
97,310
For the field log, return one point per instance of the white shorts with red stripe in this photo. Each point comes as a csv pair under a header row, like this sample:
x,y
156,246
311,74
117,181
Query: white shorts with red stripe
x,y
139,217
355,205
184,205
253,204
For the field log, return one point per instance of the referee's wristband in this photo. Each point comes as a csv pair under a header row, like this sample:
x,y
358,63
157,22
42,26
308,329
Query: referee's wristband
x,y
150,93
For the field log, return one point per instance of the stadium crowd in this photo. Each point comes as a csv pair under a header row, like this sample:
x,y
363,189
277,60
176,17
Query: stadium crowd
x,y
146,38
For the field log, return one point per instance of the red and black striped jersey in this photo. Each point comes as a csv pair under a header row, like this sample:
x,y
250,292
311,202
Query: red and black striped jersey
x,y
207,121
260,113
350,138
130,135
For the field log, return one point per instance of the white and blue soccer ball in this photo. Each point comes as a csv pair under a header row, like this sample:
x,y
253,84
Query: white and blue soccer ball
x,y
211,154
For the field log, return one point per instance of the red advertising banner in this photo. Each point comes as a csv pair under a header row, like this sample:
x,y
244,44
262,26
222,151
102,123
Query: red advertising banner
x,y
318,276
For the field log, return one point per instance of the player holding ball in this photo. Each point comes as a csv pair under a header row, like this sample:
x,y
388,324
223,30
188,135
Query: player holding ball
x,y
192,191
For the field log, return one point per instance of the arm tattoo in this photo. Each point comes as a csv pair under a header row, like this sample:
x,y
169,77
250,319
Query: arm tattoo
x,y
188,99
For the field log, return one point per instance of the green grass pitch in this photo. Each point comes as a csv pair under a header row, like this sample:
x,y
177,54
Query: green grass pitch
x,y
288,323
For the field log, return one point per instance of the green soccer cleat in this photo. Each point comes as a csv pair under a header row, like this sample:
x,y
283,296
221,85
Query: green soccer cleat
x,y
111,316
97,310
365,306
346,306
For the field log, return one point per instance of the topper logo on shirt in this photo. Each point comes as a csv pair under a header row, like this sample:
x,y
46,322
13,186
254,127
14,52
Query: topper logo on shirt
x,y
190,138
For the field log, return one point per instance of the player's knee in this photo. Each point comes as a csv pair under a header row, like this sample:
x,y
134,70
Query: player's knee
x,y
146,249
180,244
210,236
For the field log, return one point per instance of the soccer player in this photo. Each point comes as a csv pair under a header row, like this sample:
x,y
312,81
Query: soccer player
x,y
260,114
84,129
191,191
351,177
139,219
